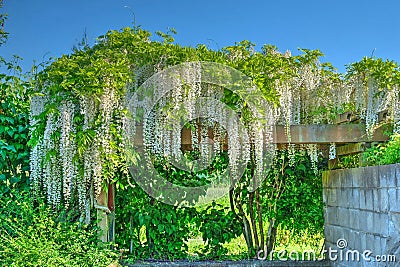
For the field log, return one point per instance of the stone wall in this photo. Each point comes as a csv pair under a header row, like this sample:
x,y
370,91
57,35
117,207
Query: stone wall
x,y
362,212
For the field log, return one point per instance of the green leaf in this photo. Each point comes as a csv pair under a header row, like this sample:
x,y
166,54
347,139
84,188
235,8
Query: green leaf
x,y
21,128
10,132
11,148
160,227
301,167
10,120
15,180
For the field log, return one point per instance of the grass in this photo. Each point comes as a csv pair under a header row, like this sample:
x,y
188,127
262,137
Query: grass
x,y
237,248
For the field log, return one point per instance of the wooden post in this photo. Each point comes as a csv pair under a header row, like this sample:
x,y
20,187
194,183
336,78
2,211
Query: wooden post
x,y
105,214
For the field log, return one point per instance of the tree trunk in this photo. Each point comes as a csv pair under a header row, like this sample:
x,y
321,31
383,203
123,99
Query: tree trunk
x,y
246,230
253,221
271,236
247,235
260,219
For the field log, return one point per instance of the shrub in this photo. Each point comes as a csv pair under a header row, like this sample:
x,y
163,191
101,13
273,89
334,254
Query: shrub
x,y
386,153
32,235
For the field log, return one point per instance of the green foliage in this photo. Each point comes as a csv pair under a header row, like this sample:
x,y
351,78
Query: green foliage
x,y
297,192
349,161
14,121
14,131
32,235
119,56
155,230
218,225
385,153
152,229
112,61
385,72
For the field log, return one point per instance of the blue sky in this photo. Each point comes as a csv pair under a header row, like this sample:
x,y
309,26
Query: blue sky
x,y
344,31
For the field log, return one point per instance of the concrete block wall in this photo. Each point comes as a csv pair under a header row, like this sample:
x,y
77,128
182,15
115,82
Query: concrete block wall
x,y
362,213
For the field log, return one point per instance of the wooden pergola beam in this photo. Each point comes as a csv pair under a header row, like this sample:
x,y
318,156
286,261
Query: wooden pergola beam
x,y
329,133
305,134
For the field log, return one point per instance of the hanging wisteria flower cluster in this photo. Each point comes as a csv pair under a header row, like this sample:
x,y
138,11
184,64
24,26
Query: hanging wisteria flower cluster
x,y
87,101
177,101
313,98
65,172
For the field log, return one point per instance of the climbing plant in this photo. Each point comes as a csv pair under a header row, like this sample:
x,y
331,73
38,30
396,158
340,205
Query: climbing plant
x,y
85,105
374,87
